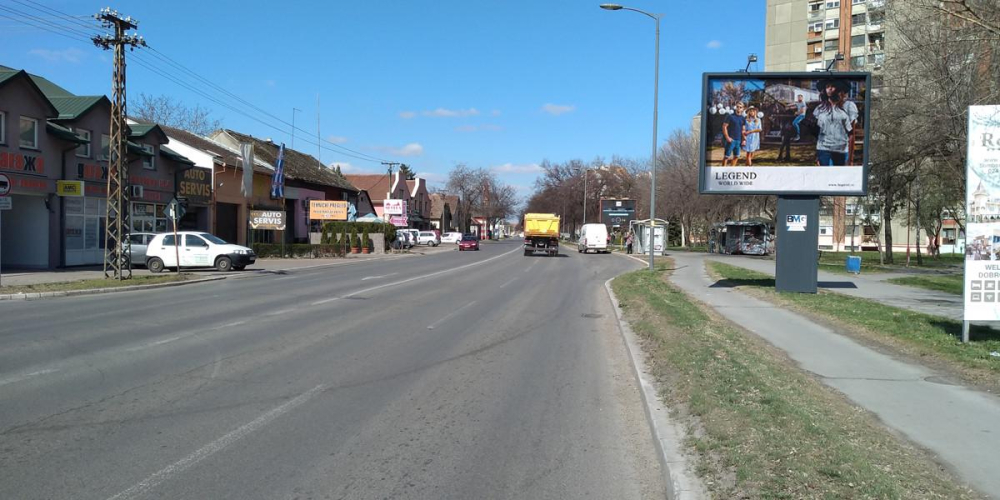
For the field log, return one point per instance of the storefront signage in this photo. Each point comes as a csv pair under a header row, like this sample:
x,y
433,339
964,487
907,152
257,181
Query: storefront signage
x,y
982,246
150,182
69,188
399,220
328,210
196,185
6,203
394,207
267,219
18,162
92,172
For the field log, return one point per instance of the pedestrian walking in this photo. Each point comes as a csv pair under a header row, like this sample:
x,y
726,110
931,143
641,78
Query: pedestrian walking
x,y
628,243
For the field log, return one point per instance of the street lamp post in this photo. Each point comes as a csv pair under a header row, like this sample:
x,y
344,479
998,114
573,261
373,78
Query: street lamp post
x,y
656,95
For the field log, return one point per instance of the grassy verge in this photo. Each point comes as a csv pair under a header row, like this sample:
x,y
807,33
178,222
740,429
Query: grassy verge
x,y
930,337
93,284
949,283
870,261
762,428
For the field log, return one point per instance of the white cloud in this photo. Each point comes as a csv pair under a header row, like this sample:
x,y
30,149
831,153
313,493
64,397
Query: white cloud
x,y
70,55
450,113
510,168
406,115
557,109
714,44
337,139
411,149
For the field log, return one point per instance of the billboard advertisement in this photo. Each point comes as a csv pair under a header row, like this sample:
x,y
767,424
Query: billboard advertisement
x,y
394,207
982,209
785,133
328,210
617,213
267,219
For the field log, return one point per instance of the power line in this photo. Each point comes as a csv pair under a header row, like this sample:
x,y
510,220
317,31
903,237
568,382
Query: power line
x,y
167,59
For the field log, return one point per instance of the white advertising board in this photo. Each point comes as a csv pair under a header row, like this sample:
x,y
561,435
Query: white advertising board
x,y
982,235
394,207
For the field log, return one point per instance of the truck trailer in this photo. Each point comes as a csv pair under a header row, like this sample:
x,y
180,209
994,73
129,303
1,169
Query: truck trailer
x,y
541,234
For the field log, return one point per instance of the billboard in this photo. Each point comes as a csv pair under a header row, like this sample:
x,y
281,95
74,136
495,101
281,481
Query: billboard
x,y
328,210
394,207
982,209
617,213
267,219
785,133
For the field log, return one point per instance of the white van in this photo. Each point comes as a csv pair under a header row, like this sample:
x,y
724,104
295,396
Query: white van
x,y
593,237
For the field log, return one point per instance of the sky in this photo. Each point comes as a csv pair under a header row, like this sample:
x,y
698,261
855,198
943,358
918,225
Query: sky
x,y
495,84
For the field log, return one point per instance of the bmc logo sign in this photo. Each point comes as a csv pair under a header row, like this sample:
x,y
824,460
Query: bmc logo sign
x,y
795,222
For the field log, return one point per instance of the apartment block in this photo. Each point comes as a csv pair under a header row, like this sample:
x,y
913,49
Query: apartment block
x,y
806,35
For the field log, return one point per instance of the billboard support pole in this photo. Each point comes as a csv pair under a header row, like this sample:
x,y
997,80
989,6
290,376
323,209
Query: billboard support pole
x,y
965,332
797,257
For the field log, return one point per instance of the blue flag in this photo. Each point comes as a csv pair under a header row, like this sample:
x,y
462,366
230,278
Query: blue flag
x,y
278,179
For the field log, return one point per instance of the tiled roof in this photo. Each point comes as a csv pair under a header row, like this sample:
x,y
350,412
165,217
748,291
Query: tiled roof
x,y
437,204
71,107
377,185
298,166
222,153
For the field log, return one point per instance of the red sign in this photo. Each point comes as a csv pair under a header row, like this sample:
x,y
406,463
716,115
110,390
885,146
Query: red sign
x,y
399,220
17,162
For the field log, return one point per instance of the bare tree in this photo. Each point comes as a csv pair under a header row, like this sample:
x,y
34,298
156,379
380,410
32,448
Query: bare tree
x,y
164,110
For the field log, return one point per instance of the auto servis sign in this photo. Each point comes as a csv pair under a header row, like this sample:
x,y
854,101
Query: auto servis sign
x,y
267,219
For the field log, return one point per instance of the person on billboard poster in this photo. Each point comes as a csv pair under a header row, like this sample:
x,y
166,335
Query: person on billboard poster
x,y
751,134
800,114
732,131
836,117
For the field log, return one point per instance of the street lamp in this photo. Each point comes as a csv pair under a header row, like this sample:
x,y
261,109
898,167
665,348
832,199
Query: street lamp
x,y
586,171
656,87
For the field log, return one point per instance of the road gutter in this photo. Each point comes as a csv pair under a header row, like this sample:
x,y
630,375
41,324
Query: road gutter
x,y
668,434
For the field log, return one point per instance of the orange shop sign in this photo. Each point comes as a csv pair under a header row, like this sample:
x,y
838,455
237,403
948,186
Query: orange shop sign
x,y
327,210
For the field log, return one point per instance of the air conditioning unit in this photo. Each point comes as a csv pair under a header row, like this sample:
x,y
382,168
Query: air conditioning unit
x,y
818,50
135,191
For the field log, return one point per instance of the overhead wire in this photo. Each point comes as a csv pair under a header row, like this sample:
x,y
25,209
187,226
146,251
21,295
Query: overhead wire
x,y
84,36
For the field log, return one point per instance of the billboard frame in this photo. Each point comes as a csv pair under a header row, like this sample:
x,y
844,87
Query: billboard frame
x,y
805,75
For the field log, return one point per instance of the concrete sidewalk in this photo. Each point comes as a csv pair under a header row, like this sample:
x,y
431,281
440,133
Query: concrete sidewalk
x,y
262,266
958,424
866,286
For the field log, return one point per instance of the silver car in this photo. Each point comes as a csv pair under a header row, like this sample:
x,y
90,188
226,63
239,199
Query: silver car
x,y
138,243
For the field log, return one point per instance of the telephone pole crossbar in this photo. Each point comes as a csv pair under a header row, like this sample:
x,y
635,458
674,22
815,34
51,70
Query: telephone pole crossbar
x,y
117,251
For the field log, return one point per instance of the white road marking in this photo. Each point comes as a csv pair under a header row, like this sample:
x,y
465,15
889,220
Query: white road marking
x,y
509,282
324,301
280,312
366,278
156,343
230,325
446,318
215,446
24,376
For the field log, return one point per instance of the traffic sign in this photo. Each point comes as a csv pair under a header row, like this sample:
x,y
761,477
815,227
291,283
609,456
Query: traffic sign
x,y
6,203
175,210
4,185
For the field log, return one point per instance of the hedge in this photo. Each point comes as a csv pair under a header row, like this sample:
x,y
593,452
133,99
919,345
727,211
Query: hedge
x,y
297,250
332,229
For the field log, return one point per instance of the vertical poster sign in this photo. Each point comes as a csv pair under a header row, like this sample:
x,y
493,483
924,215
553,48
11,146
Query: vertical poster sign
x,y
982,233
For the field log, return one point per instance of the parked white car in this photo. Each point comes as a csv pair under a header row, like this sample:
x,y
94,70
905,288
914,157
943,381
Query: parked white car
x,y
429,238
196,249
451,237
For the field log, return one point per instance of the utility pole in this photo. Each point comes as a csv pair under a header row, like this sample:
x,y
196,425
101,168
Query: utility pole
x,y
117,251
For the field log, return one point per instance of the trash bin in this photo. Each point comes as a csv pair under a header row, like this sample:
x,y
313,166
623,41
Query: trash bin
x,y
854,264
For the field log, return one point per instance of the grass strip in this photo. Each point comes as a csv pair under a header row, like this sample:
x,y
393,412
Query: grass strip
x,y
870,260
948,283
916,333
66,286
762,428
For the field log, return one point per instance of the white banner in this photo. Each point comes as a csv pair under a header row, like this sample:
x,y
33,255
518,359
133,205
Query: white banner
x,y
394,207
805,179
982,209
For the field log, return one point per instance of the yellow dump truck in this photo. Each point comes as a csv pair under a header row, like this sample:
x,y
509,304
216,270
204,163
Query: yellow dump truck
x,y
541,234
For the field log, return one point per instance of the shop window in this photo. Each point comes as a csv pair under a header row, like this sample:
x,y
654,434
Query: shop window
x,y
105,147
3,127
149,162
29,133
83,150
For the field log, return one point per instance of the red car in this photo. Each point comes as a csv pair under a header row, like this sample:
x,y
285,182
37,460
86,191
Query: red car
x,y
469,242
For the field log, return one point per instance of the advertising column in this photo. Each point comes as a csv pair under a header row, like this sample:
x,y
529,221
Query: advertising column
x,y
982,235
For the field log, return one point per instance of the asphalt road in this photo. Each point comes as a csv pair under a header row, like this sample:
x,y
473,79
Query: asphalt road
x,y
453,375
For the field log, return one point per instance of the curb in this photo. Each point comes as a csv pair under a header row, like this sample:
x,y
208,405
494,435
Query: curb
x,y
95,291
668,435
